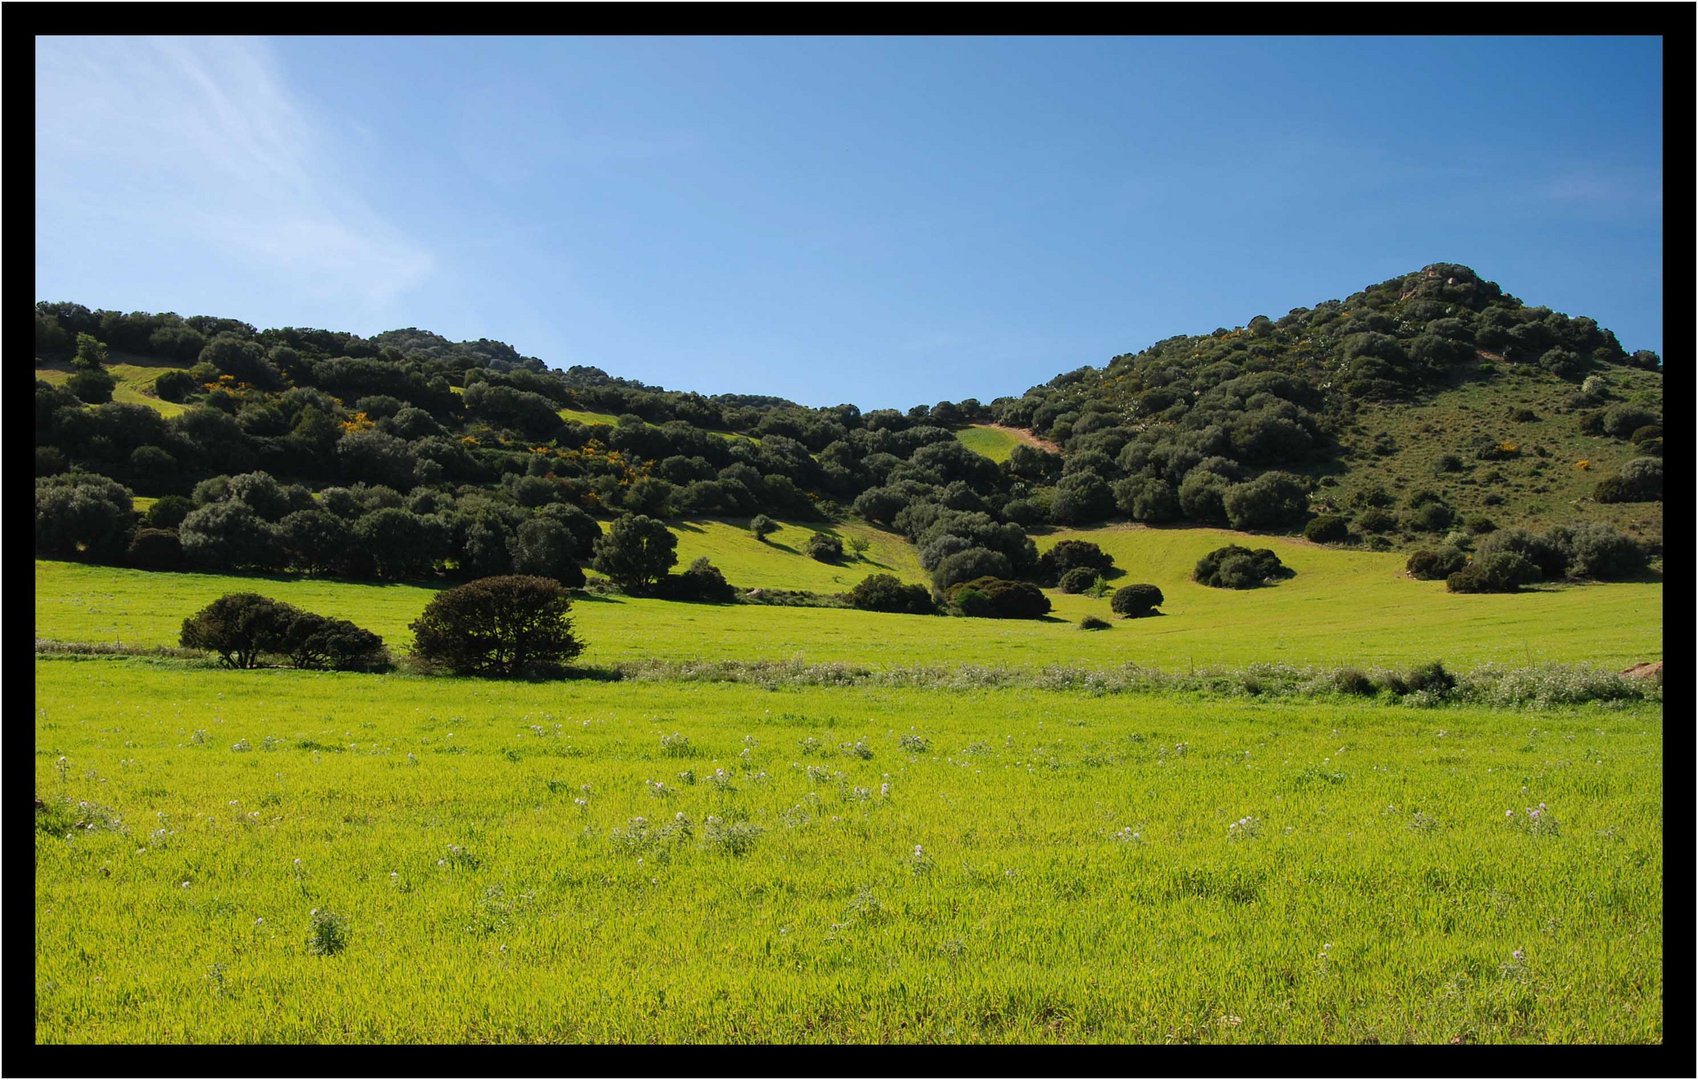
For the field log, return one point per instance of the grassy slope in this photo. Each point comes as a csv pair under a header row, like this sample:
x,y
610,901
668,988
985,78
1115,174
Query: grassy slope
x,y
1344,607
780,563
134,381
996,445
1543,486
1381,842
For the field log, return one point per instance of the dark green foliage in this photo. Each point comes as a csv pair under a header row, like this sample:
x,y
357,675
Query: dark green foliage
x,y
886,592
1448,463
1499,572
1077,580
1601,553
825,548
1081,498
156,549
1135,601
174,385
1430,679
402,545
1091,622
703,582
762,526
94,385
1070,555
504,627
238,627
228,535
1434,564
1147,499
1431,517
318,641
1327,529
1235,567
971,563
315,541
543,547
1354,682
1548,552
168,512
1622,420
82,516
1376,521
1002,599
636,552
1640,480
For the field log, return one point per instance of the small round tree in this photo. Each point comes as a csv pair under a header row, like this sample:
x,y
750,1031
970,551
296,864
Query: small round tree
x,y
825,547
762,526
238,627
1136,600
1077,580
503,627
636,552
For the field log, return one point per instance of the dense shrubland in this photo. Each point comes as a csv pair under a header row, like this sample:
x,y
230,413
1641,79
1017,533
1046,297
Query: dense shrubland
x,y
408,456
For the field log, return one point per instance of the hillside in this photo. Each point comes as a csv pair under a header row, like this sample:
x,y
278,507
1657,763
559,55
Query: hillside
x,y
1432,408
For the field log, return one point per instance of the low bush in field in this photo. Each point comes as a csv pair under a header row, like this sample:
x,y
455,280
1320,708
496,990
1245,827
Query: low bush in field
x,y
1235,567
242,628
1136,600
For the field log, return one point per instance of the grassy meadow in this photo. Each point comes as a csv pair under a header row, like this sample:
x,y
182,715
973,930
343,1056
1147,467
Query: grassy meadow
x,y
993,443
1342,608
275,856
301,857
133,377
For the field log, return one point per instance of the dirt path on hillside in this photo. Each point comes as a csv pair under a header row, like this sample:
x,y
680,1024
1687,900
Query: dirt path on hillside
x,y
1022,435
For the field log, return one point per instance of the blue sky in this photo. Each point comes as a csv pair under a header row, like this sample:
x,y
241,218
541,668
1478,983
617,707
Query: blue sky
x,y
883,221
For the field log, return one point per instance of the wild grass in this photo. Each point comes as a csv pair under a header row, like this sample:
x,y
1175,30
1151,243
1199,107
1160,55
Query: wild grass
x,y
134,382
994,444
1342,608
404,859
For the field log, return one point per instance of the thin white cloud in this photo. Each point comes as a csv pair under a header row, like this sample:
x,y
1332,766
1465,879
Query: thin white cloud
x,y
193,146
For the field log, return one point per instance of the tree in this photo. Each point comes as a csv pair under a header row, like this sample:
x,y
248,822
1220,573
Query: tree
x,y
1077,580
1002,599
886,592
702,582
762,526
503,627
636,552
1271,500
93,386
1136,600
318,641
91,352
401,543
238,627
228,535
82,515
1235,567
315,541
542,547
156,549
1327,529
1073,555
1436,564
1498,572
825,547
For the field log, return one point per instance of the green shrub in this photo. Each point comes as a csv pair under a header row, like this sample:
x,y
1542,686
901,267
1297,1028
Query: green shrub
x,y
825,548
1353,681
1235,567
174,386
702,582
1375,520
513,626
1432,564
238,627
1077,580
1500,572
1327,529
1091,622
1002,599
1134,601
886,592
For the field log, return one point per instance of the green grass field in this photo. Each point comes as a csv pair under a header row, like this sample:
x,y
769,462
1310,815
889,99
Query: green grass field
x,y
134,382
990,442
1343,607
495,862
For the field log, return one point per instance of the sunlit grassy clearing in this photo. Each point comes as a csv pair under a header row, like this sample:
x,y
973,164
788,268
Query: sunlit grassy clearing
x,y
994,444
781,562
1343,607
1079,876
134,384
